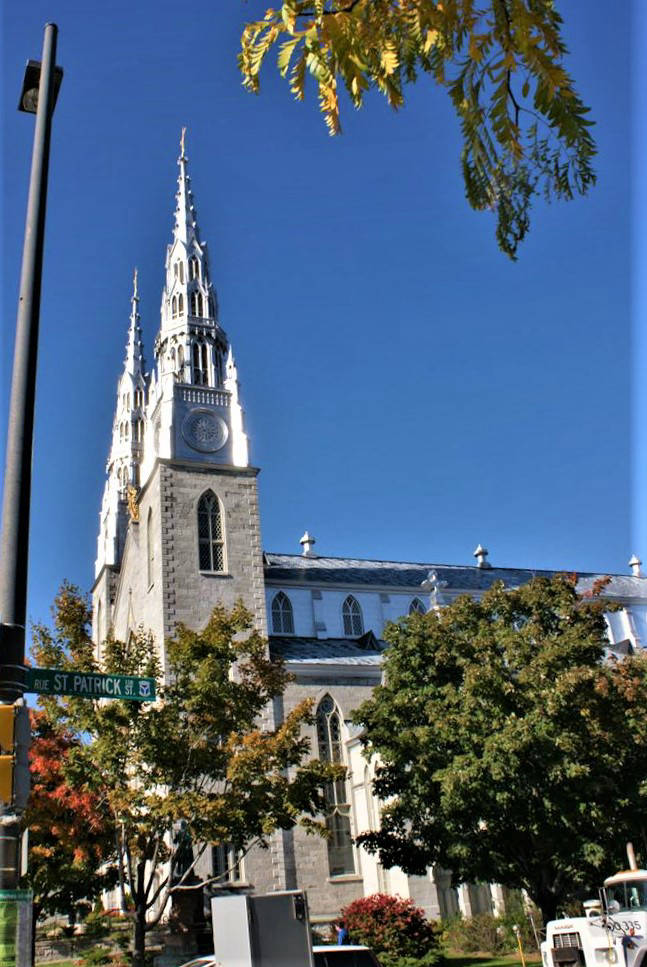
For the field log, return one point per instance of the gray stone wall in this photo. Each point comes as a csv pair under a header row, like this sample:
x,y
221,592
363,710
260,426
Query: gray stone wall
x,y
178,591
307,855
190,595
138,601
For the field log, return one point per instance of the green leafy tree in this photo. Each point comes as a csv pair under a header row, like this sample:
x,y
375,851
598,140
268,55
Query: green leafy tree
x,y
194,768
524,126
510,749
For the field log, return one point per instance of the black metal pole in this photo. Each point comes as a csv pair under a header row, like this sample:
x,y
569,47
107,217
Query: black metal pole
x,y
17,482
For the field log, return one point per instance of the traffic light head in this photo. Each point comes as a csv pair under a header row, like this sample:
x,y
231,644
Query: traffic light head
x,y
14,762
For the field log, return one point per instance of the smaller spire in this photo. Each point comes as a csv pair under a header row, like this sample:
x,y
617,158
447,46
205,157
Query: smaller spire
x,y
134,346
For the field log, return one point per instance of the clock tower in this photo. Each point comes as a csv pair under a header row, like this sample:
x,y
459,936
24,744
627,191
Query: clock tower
x,y
184,533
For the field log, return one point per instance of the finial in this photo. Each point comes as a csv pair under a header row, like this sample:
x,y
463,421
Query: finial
x,y
634,564
182,143
308,543
135,289
481,554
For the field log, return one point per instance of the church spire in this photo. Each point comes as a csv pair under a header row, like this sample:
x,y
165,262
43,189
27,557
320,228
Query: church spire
x,y
186,226
124,460
134,346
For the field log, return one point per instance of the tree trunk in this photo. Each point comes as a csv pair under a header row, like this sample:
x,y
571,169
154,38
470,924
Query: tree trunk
x,y
547,903
139,945
35,913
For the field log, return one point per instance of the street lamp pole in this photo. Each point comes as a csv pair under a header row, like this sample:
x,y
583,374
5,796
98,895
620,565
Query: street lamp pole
x,y
39,96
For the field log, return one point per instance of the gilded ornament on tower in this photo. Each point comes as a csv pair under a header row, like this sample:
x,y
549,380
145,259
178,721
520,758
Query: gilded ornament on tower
x,y
133,506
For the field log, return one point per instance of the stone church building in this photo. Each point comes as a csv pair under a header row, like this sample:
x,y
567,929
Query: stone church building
x,y
180,532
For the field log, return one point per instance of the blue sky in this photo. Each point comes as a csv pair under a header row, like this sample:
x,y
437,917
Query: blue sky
x,y
409,391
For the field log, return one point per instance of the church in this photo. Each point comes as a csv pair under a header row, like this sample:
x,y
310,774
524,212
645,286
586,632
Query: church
x,y
179,532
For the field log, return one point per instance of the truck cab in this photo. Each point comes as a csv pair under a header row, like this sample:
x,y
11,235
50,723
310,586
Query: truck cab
x,y
612,931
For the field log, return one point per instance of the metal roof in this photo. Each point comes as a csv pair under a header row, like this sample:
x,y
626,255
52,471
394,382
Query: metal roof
x,y
326,651
400,575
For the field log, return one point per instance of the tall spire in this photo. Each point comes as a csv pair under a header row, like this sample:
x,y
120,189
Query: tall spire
x,y
126,450
134,347
186,226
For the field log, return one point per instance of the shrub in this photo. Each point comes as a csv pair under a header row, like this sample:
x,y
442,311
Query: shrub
x,y
96,925
478,933
95,957
394,928
433,958
489,934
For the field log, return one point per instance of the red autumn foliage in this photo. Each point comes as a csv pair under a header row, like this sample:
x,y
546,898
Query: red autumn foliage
x,y
70,833
389,925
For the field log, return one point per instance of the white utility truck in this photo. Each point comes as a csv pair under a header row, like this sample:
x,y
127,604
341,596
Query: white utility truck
x,y
613,929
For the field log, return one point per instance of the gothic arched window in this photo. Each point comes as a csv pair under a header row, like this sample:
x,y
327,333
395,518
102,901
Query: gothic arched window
x,y
196,304
180,304
174,307
200,367
329,742
352,616
194,268
150,552
182,272
417,607
282,616
211,542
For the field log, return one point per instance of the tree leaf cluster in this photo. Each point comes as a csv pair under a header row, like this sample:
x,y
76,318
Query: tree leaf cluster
x,y
524,126
511,749
201,765
71,829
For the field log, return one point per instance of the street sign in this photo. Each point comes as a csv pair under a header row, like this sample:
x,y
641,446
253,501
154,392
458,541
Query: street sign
x,y
50,681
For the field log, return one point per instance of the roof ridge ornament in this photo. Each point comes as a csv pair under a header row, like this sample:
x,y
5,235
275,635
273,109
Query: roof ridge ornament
x,y
635,565
481,554
308,543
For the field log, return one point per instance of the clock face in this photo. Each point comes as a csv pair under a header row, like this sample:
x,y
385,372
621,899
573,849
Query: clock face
x,y
204,431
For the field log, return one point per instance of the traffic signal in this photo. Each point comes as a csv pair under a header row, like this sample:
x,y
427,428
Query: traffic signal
x,y
14,746
7,728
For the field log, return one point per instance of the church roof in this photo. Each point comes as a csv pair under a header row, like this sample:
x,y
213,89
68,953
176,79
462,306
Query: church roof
x,y
327,651
344,571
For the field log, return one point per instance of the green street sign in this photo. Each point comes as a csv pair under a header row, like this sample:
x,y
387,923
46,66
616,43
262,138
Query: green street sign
x,y
50,681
